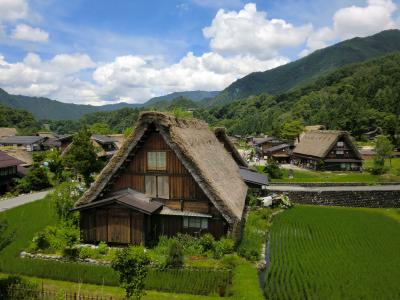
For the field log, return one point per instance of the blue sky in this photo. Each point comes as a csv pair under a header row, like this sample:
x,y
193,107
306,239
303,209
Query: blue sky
x,y
110,51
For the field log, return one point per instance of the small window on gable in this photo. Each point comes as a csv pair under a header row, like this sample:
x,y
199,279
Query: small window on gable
x,y
339,152
156,161
157,186
340,144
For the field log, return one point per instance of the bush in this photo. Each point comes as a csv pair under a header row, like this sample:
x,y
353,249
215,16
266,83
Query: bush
x,y
35,180
131,264
229,261
223,246
71,252
255,233
15,287
207,242
63,199
175,255
102,248
40,241
273,170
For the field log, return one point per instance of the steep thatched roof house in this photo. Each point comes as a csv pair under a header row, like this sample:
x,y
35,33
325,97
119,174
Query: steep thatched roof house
x,y
7,131
252,178
171,175
327,149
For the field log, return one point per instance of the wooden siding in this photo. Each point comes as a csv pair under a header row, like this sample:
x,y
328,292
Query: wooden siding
x,y
112,224
182,187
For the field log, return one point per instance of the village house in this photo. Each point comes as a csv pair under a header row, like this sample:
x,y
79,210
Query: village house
x,y
104,144
252,178
280,153
10,169
263,144
170,176
327,150
29,143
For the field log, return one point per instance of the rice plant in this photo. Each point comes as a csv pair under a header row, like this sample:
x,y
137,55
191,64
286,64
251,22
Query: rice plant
x,y
334,253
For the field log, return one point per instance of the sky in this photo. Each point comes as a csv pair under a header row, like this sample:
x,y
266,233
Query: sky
x,y
102,52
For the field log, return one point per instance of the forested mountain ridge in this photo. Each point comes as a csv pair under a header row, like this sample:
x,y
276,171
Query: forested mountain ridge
x,y
44,108
357,97
24,121
308,68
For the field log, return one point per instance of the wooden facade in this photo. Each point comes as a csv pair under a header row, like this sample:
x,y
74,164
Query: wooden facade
x,y
170,184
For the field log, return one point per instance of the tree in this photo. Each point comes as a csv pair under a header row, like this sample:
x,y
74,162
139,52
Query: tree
x,y
291,130
54,162
82,157
35,180
100,128
383,149
131,264
63,199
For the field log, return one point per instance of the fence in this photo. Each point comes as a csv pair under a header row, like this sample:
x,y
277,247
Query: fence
x,y
44,294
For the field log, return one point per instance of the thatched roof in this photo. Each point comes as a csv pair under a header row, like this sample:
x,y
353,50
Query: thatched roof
x,y
221,135
200,152
318,143
7,131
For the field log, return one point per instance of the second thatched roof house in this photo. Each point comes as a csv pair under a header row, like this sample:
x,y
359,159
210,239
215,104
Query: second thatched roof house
x,y
327,150
171,175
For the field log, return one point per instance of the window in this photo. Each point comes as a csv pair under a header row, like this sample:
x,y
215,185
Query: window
x,y
340,152
157,186
195,222
156,161
340,144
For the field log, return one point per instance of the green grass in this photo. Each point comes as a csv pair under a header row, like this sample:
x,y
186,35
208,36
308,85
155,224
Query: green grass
x,y
334,253
28,219
304,176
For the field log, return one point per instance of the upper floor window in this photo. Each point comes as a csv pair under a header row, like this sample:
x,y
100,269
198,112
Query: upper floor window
x,y
340,144
157,161
157,186
340,152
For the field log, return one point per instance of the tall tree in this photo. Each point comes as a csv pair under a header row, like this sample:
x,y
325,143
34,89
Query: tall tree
x,y
82,157
291,130
383,149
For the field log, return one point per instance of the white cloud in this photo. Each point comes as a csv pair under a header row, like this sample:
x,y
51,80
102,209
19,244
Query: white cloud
x,y
28,33
135,79
219,3
13,10
53,77
355,21
250,32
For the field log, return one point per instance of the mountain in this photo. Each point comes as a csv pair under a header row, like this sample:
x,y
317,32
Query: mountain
x,y
358,98
44,108
306,69
195,96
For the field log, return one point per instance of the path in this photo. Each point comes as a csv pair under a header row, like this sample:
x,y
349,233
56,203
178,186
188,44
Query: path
x,y
362,188
23,199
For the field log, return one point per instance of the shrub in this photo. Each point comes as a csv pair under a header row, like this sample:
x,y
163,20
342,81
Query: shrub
x,y
273,170
131,264
223,246
207,242
63,199
35,180
255,233
71,252
102,248
15,287
175,255
229,261
40,241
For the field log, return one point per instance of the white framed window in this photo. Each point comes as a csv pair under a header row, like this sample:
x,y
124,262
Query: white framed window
x,y
156,160
340,152
340,144
157,186
195,222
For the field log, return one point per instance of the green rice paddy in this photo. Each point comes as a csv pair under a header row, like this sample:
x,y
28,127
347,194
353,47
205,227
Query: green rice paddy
x,y
334,253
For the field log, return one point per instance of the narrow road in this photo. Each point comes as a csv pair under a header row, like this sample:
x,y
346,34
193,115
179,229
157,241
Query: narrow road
x,y
20,200
298,188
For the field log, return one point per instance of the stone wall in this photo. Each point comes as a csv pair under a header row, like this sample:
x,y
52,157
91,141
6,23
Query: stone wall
x,y
378,198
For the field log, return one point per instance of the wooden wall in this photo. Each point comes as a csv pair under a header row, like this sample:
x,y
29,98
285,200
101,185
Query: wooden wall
x,y
113,224
184,192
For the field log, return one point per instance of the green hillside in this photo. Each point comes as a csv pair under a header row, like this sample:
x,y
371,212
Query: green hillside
x,y
304,70
44,108
22,120
357,98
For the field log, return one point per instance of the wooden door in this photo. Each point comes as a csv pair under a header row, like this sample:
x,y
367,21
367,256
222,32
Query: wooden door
x,y
101,225
119,229
137,228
